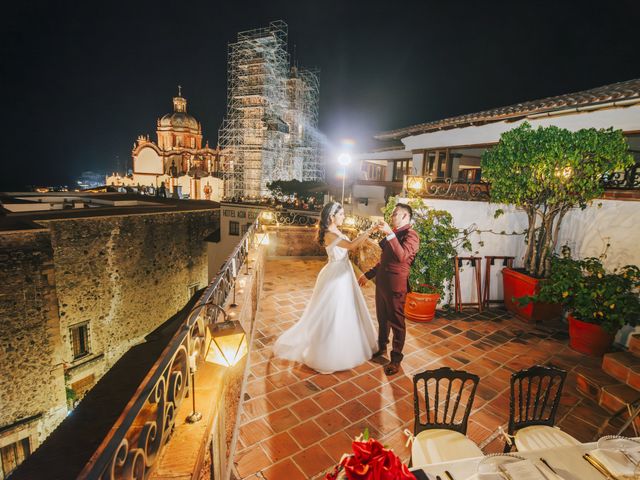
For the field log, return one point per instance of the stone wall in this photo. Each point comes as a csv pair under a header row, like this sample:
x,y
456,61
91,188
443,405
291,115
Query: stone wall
x,y
125,275
32,391
294,241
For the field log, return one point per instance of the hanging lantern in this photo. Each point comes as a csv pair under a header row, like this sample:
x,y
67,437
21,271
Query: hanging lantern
x,y
228,343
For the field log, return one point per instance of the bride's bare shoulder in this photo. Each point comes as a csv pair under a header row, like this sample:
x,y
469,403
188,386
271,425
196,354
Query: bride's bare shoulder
x,y
329,237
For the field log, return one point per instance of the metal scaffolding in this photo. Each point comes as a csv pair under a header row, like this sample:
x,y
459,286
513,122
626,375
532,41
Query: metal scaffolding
x,y
270,129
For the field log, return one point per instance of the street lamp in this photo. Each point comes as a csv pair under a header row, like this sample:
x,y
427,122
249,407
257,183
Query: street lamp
x,y
344,159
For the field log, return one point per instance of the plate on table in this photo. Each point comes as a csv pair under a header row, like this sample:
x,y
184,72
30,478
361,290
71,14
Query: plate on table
x,y
492,463
617,443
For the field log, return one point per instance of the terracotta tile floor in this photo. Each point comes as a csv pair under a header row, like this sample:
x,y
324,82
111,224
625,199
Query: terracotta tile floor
x,y
300,422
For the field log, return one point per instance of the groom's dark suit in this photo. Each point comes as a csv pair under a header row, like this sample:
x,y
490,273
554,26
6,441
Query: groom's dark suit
x,y
392,281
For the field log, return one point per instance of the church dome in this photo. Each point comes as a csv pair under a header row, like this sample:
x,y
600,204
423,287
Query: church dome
x,y
179,119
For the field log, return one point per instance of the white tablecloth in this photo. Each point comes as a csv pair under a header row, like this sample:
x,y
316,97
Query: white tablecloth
x,y
566,461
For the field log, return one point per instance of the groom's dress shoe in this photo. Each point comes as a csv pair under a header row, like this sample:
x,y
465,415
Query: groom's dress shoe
x,y
378,357
380,353
392,368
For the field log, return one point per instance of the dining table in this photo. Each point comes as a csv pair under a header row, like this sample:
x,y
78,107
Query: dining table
x,y
566,461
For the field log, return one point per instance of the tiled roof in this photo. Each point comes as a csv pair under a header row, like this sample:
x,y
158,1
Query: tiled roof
x,y
628,91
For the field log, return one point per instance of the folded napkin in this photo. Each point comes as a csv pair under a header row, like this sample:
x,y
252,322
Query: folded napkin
x,y
616,462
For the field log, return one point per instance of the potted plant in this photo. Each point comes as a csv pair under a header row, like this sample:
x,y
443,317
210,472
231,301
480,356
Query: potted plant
x,y
598,303
432,269
546,172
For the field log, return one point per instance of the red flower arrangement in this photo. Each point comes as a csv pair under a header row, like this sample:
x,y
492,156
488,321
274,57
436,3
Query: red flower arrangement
x,y
370,461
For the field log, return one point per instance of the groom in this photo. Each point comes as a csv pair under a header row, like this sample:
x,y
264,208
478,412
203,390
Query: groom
x,y
399,248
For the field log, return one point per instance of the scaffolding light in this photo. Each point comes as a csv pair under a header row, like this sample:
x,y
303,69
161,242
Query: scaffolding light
x,y
228,344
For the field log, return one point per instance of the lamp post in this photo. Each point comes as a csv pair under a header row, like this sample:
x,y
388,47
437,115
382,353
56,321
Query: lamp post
x,y
344,159
227,345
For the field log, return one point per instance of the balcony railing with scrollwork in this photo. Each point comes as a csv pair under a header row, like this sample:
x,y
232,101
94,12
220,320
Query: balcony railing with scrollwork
x,y
628,179
445,188
140,433
290,217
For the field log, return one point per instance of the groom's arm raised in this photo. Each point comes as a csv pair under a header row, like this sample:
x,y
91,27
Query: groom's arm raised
x,y
405,251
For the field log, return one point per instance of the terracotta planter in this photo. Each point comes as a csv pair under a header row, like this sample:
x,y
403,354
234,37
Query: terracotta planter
x,y
588,338
421,307
517,284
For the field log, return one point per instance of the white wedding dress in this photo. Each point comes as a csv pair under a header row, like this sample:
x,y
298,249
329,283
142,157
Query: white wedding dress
x,y
335,331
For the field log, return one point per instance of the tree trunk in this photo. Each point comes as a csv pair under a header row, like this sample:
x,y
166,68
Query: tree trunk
x,y
530,253
546,246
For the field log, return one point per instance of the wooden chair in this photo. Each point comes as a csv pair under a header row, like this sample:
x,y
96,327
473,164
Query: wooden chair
x,y
476,263
533,404
447,400
489,261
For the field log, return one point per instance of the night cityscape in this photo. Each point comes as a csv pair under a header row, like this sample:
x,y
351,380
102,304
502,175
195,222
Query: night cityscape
x,y
320,240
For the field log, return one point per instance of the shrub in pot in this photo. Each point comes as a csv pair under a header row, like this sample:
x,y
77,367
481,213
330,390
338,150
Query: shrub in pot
x,y
432,269
599,302
546,172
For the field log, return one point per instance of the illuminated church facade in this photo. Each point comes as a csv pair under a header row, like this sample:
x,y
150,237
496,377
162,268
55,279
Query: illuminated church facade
x,y
177,161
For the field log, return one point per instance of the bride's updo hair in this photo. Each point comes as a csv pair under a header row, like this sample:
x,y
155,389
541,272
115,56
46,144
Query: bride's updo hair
x,y
327,214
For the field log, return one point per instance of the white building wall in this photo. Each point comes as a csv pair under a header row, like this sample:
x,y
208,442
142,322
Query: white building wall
x,y
587,232
624,118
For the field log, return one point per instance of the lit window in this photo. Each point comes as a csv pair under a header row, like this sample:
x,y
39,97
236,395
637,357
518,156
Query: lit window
x,y
80,340
13,455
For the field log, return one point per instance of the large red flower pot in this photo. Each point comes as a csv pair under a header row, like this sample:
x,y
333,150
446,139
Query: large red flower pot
x,y
421,307
588,338
517,284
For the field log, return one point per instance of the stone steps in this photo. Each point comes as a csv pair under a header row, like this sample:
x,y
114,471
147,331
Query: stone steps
x,y
623,366
634,344
617,383
591,381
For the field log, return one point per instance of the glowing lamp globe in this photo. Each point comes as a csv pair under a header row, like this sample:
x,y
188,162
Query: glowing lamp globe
x,y
414,183
228,344
344,159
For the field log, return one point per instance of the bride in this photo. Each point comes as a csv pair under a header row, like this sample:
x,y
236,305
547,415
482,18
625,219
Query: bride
x,y
335,331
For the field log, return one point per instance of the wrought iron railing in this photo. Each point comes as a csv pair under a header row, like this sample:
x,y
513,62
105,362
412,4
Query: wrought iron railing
x,y
290,217
628,179
445,188
143,429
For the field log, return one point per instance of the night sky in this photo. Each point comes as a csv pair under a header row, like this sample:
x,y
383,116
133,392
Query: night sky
x,y
81,80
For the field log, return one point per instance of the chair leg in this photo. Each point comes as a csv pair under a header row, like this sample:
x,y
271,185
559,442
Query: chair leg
x,y
507,447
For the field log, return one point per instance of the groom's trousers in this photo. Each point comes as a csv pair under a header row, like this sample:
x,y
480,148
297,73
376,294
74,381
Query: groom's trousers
x,y
390,313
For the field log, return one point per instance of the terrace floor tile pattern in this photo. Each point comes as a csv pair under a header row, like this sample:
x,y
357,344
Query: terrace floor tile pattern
x,y
298,422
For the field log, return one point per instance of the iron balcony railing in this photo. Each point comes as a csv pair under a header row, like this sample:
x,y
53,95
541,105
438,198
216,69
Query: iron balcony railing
x,y
445,188
145,426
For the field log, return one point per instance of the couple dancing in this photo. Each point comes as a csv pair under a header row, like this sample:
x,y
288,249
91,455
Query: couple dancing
x,y
335,331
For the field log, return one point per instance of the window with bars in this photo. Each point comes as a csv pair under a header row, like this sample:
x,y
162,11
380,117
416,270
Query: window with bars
x,y
234,228
13,455
80,340
400,169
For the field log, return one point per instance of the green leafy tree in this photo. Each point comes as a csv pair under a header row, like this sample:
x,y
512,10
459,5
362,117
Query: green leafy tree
x,y
548,171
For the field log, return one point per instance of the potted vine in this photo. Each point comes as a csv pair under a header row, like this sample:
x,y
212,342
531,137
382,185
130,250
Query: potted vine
x,y
599,303
432,269
547,172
